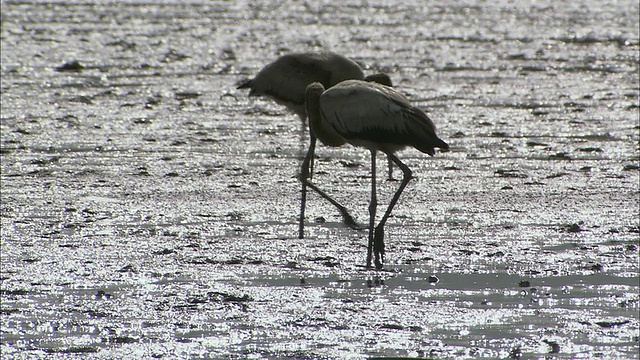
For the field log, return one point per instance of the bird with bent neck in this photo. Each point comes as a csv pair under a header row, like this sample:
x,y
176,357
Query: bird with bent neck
x,y
373,116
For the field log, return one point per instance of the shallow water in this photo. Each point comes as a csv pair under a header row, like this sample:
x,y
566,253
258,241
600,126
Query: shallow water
x,y
149,209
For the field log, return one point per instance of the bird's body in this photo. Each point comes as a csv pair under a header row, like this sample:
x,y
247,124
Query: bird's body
x,y
375,117
286,79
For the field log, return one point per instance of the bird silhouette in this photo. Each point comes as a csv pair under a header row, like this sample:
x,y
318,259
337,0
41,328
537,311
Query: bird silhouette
x,y
373,116
286,79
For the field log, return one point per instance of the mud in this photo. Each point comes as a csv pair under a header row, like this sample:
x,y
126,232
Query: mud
x,y
149,209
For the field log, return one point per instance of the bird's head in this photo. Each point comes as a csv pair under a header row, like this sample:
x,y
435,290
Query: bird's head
x,y
314,89
380,78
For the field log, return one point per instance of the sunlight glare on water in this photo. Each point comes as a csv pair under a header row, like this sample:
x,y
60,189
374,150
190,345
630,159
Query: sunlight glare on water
x,y
150,208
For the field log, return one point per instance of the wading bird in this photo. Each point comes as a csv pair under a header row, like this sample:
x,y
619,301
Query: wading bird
x,y
375,117
286,79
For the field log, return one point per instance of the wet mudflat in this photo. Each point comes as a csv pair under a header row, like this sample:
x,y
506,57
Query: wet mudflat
x,y
149,209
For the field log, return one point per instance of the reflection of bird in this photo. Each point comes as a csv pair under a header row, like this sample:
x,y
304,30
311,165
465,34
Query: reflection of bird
x,y
286,79
373,116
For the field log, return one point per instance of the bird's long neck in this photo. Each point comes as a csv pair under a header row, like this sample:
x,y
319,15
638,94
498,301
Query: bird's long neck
x,y
322,131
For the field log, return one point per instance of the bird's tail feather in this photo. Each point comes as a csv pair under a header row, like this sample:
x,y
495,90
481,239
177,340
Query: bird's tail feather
x,y
429,147
246,85
441,144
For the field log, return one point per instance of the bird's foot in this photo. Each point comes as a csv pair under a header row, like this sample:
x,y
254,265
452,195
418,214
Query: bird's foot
x,y
378,247
379,263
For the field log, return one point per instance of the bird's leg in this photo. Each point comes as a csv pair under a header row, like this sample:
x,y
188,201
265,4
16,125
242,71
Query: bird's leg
x,y
304,176
390,164
310,158
311,162
347,219
378,246
303,127
372,210
304,179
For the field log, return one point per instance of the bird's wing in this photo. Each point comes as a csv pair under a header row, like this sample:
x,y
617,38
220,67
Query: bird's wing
x,y
374,113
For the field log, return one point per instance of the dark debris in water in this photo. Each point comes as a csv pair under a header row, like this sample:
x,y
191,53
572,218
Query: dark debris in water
x,y
376,282
221,296
165,251
596,267
10,311
123,339
183,95
84,99
72,66
556,175
173,56
18,292
607,324
510,173
392,327
350,164
591,149
127,269
328,261
102,295
560,156
555,347
574,228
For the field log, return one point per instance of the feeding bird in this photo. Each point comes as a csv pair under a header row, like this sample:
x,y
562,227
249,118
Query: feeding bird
x,y
375,117
285,80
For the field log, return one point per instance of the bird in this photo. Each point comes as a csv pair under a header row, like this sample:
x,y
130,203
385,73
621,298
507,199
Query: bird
x,y
378,118
285,81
